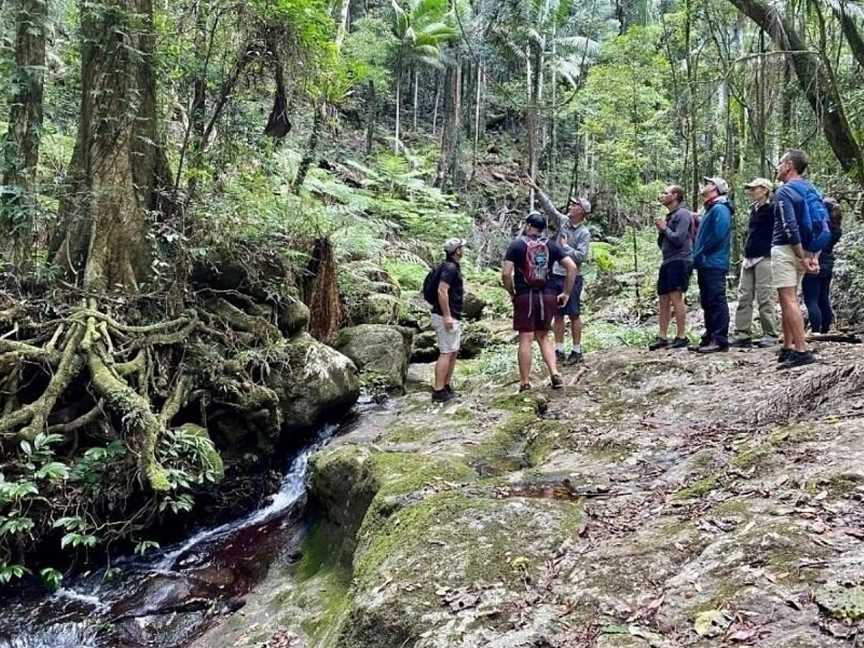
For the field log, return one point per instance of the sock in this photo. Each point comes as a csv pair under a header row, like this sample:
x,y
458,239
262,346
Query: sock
x,y
559,347
577,348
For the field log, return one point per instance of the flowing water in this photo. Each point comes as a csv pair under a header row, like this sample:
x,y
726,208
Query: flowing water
x,y
170,598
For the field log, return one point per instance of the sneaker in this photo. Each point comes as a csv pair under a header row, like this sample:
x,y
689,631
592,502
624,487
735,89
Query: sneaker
x,y
524,388
449,389
766,342
557,382
658,343
784,354
741,343
797,359
679,343
559,356
441,396
575,357
713,348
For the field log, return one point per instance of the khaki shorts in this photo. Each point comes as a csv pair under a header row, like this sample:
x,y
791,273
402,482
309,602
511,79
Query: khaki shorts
x,y
448,341
786,267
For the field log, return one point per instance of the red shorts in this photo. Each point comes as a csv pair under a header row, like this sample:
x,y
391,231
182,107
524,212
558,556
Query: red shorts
x,y
534,311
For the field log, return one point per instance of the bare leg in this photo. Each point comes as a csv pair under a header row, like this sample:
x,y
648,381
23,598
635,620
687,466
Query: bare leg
x,y
525,356
663,315
451,368
558,327
792,319
443,369
547,350
677,299
784,319
576,329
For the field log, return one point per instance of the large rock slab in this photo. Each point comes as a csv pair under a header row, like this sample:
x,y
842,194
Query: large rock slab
x,y
380,352
314,384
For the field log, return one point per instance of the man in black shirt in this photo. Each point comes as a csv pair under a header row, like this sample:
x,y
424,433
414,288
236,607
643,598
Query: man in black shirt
x,y
446,316
527,276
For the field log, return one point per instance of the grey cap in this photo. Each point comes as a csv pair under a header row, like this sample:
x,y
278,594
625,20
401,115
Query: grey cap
x,y
454,244
582,202
720,183
765,183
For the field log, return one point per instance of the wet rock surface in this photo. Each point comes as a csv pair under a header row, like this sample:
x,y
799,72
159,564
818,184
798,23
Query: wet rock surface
x,y
660,499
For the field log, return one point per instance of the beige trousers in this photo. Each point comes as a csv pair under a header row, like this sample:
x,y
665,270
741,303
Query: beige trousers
x,y
756,283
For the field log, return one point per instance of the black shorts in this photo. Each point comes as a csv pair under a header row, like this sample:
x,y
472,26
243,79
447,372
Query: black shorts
x,y
674,276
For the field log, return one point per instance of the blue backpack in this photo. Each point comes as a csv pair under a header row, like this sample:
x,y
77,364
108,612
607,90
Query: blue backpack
x,y
815,230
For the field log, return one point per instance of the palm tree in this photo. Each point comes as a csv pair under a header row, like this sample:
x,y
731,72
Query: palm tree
x,y
420,29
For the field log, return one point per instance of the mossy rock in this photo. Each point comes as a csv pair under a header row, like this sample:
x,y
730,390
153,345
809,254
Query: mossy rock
x,y
841,602
370,295
380,350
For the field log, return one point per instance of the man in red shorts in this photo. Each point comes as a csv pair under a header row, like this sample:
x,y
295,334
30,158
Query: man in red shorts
x,y
527,276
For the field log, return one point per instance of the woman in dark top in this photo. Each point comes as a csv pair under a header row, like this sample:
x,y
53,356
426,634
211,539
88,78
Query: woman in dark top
x,y
817,287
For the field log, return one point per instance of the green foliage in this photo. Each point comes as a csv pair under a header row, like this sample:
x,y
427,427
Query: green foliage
x,y
628,112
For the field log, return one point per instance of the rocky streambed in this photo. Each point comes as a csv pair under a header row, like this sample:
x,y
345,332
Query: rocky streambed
x,y
660,499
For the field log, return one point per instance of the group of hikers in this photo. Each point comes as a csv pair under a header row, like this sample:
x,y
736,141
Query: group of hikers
x,y
789,248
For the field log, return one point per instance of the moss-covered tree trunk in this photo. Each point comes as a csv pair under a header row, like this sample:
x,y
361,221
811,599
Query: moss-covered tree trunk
x,y
21,146
117,166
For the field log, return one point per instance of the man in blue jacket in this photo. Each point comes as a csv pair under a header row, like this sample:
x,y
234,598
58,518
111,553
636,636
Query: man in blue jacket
x,y
789,260
711,260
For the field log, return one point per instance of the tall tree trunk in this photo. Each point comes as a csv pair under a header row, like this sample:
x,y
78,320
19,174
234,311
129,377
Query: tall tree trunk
x,y
311,149
437,99
117,167
815,82
532,118
398,108
448,163
416,85
342,22
853,36
477,100
21,148
371,115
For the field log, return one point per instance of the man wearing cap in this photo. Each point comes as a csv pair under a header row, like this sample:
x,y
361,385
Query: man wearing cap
x,y
575,239
789,260
711,260
446,316
528,261
756,280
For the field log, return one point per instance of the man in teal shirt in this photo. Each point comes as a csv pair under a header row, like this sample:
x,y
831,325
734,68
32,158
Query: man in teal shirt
x,y
711,260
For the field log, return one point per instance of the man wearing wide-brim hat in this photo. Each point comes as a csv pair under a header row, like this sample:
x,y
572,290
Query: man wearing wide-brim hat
x,y
756,281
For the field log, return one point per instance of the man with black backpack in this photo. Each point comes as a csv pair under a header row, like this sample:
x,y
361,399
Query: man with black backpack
x,y
800,233
527,277
443,289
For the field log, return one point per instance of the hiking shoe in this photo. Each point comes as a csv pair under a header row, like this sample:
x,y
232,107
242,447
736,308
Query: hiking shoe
x,y
679,343
559,356
741,343
713,348
784,354
658,343
575,357
524,388
441,396
449,389
557,382
797,359
766,342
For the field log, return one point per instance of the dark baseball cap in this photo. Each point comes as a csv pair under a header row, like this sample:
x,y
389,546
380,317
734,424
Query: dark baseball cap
x,y
536,220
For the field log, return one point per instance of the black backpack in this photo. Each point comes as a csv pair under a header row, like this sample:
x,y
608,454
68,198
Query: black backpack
x,y
430,285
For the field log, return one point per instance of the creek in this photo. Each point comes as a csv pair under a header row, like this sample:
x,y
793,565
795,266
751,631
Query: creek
x,y
173,596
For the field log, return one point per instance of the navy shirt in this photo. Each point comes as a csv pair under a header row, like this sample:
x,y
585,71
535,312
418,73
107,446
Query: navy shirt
x,y
516,254
452,274
760,231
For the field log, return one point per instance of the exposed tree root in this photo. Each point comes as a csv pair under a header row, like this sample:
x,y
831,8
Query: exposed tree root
x,y
808,393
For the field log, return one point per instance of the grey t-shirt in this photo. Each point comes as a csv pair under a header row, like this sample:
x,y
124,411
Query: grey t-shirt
x,y
575,240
